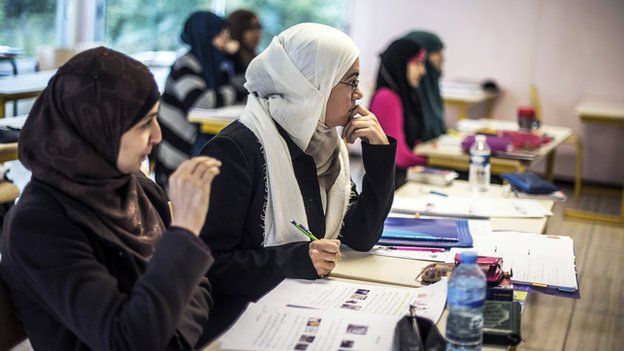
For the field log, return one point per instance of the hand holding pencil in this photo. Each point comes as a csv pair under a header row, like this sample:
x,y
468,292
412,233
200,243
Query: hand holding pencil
x,y
324,253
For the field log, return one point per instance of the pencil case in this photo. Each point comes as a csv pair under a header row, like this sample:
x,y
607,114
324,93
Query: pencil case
x,y
529,183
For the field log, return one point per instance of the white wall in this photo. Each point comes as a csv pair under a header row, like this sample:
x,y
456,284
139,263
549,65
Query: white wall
x,y
569,48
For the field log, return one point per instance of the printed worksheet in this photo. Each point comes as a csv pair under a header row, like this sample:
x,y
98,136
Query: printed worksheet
x,y
369,298
273,327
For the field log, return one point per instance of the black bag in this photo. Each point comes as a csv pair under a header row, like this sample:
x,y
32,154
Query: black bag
x,y
432,339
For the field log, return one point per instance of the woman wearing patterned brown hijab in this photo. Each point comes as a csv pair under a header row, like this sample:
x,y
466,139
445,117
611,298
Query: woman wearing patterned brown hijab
x,y
90,253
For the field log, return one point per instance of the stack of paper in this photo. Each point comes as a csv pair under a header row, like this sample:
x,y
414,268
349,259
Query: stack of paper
x,y
465,207
330,315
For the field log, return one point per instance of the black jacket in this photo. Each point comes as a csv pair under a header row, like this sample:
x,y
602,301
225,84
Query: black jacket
x,y
77,288
244,270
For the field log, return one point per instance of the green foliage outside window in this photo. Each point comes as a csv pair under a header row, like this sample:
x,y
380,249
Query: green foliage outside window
x,y
277,15
140,25
27,24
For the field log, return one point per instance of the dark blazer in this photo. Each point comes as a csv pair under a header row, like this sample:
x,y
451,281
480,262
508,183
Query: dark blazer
x,y
78,288
244,270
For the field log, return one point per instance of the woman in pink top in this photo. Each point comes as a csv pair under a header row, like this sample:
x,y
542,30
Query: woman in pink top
x,y
396,104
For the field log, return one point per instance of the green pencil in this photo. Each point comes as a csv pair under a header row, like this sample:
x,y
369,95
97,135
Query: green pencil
x,y
303,229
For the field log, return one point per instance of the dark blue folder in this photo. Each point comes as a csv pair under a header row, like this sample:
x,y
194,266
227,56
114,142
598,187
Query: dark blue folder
x,y
444,232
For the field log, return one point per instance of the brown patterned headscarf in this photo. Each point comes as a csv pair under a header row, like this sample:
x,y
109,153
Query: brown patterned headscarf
x,y
72,137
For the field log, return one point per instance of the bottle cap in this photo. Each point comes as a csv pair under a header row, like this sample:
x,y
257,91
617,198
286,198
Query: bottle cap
x,y
468,257
480,137
526,112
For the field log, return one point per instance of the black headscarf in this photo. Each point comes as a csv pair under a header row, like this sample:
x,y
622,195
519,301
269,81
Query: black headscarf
x,y
239,22
71,141
392,75
199,31
429,88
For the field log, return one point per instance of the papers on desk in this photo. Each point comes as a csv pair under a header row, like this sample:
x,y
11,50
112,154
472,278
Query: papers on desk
x,y
341,296
225,114
475,208
330,315
536,259
16,122
272,327
475,226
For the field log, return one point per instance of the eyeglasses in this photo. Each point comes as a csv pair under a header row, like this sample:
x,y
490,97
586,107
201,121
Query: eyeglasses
x,y
353,84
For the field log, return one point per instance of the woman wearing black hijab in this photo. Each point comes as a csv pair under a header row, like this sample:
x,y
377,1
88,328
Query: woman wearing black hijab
x,y
91,253
198,79
396,104
429,95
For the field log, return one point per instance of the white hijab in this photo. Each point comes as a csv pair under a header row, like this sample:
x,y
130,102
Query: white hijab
x,y
290,83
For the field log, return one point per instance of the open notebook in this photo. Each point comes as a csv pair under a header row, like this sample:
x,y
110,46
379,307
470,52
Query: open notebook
x,y
538,260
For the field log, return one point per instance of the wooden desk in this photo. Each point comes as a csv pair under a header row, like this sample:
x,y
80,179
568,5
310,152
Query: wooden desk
x,y
375,269
599,112
462,96
462,188
442,154
24,86
211,121
8,151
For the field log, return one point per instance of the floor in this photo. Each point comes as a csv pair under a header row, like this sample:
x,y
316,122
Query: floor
x,y
595,322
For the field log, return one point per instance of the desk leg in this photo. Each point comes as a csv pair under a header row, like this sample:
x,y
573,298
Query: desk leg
x,y
550,165
578,174
594,216
2,107
462,112
489,108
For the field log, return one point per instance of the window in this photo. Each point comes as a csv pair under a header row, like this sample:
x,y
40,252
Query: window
x,y
36,15
277,15
146,25
151,25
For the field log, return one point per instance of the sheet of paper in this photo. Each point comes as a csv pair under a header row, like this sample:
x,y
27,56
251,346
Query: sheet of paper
x,y
272,327
226,113
412,255
346,296
534,258
465,206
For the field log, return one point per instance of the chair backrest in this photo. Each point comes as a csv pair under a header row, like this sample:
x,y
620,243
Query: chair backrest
x,y
51,57
535,102
11,329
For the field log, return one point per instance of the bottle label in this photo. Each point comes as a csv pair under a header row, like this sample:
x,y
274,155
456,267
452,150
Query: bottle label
x,y
480,160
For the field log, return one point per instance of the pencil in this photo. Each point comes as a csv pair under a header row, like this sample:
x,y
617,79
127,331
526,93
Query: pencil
x,y
303,230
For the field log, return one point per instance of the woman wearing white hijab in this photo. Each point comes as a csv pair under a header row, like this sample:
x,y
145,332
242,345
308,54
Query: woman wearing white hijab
x,y
283,160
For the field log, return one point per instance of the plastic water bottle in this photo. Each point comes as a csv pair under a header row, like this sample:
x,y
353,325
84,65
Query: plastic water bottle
x,y
466,294
479,176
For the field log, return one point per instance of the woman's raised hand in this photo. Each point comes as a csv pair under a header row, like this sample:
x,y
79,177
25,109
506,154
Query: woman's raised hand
x,y
189,192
